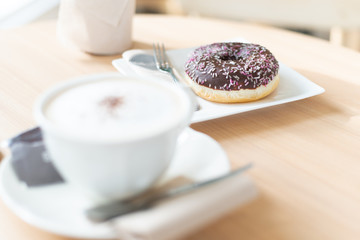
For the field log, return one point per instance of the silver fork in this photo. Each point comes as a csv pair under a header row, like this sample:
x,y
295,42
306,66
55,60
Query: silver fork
x,y
163,65
162,61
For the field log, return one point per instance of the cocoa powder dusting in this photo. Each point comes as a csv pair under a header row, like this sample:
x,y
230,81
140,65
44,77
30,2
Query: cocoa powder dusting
x,y
112,103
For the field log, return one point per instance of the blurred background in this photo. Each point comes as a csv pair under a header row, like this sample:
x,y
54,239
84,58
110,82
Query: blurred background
x,y
337,21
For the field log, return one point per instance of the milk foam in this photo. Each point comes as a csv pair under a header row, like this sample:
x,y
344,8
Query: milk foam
x,y
114,108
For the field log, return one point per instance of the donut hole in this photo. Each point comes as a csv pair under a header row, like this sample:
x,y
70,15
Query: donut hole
x,y
229,58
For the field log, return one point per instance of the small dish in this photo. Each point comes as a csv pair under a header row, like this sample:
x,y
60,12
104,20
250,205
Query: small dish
x,y
292,87
60,208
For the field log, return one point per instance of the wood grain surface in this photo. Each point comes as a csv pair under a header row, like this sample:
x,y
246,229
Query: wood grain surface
x,y
306,153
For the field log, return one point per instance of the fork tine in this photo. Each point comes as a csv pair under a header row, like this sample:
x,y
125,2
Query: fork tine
x,y
156,57
161,56
164,57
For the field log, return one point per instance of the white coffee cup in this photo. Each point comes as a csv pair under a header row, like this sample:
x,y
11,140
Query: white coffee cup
x,y
113,136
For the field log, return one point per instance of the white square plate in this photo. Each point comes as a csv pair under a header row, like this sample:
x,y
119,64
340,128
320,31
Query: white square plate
x,y
292,87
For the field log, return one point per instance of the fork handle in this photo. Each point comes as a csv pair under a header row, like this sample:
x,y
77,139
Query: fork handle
x,y
173,76
191,91
177,81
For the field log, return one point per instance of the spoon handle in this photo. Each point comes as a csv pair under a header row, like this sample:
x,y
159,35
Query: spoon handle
x,y
114,209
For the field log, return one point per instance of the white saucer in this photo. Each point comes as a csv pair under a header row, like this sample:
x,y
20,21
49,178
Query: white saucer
x,y
59,208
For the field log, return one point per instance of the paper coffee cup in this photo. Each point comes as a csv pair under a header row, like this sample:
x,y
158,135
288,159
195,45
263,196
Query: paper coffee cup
x,y
96,26
112,136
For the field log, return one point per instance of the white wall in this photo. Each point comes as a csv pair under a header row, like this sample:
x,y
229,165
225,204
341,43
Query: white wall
x,y
14,13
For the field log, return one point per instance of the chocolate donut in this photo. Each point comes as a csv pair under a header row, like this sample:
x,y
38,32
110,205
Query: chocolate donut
x,y
232,72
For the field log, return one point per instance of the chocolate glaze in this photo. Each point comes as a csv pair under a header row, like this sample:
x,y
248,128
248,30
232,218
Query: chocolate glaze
x,y
232,66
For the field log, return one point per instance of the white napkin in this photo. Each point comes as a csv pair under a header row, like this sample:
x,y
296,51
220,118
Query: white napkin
x,y
180,216
96,26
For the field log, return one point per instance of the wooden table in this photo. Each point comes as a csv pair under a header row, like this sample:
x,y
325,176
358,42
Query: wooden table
x,y
306,153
